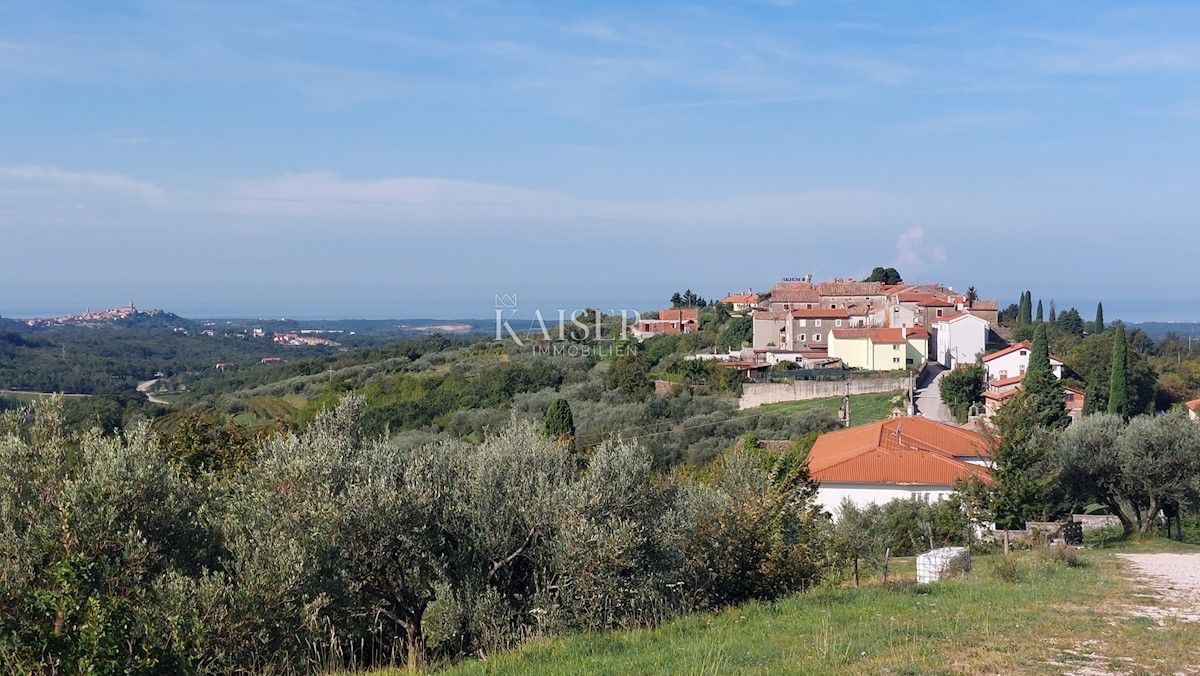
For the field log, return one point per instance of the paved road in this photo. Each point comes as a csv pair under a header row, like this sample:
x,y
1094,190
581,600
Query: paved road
x,y
929,400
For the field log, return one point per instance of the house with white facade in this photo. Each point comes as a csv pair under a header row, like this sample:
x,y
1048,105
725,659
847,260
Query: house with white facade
x,y
880,349
896,458
959,339
1013,360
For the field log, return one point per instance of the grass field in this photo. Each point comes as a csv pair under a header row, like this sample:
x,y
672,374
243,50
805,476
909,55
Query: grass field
x,y
1031,612
864,408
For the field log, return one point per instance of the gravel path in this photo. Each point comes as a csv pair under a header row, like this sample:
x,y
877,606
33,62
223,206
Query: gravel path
x,y
1175,581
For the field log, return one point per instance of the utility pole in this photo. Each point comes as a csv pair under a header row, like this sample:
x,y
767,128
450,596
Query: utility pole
x,y
845,412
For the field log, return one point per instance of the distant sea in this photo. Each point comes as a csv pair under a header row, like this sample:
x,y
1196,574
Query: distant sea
x,y
1131,311
1134,311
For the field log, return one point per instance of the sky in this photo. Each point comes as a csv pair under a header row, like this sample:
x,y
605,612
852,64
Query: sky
x,y
384,159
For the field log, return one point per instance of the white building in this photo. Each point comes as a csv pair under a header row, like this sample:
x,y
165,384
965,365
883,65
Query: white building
x,y
960,339
896,458
1012,362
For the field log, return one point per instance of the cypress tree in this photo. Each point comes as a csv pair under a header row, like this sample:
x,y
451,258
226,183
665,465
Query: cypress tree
x,y
1023,310
1041,386
560,424
1099,327
1051,316
1118,383
1040,315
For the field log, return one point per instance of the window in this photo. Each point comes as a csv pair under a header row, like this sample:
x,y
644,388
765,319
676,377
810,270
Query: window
x,y
816,322
801,337
816,337
895,346
802,322
895,360
939,313
908,361
837,322
1024,352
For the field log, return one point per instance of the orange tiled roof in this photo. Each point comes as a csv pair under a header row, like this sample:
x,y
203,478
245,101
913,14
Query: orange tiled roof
x,y
850,288
1193,404
904,451
1013,348
740,298
1005,382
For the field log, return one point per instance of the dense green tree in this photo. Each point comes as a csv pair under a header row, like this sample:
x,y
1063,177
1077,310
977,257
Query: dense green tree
x,y
1091,361
884,275
963,387
1136,470
1118,383
1069,322
1098,326
630,374
560,424
1025,309
1040,317
676,299
1052,313
972,295
737,334
1008,316
1022,483
1042,387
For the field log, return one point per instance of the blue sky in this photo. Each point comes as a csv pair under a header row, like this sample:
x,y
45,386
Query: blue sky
x,y
384,159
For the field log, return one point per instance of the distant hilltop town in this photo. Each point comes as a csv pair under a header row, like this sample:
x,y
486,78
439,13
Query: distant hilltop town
x,y
88,317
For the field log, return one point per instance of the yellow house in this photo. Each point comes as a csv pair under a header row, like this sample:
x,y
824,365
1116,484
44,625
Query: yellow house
x,y
880,349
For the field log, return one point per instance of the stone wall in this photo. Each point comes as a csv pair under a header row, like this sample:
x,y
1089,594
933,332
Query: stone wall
x,y
757,394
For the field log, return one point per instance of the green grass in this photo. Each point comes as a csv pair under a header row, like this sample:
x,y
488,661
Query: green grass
x,y
864,408
1025,614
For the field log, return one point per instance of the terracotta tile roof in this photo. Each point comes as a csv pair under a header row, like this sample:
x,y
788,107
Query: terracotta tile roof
x,y
850,288
1008,350
903,451
795,296
999,396
917,332
874,335
1005,382
1193,404
740,298
1013,348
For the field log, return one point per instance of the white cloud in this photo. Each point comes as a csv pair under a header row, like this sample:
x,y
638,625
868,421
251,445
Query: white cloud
x,y
913,252
110,183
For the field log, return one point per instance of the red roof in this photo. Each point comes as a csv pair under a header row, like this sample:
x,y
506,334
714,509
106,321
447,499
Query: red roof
x,y
1024,344
1193,404
917,332
1005,382
903,451
1008,350
740,298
